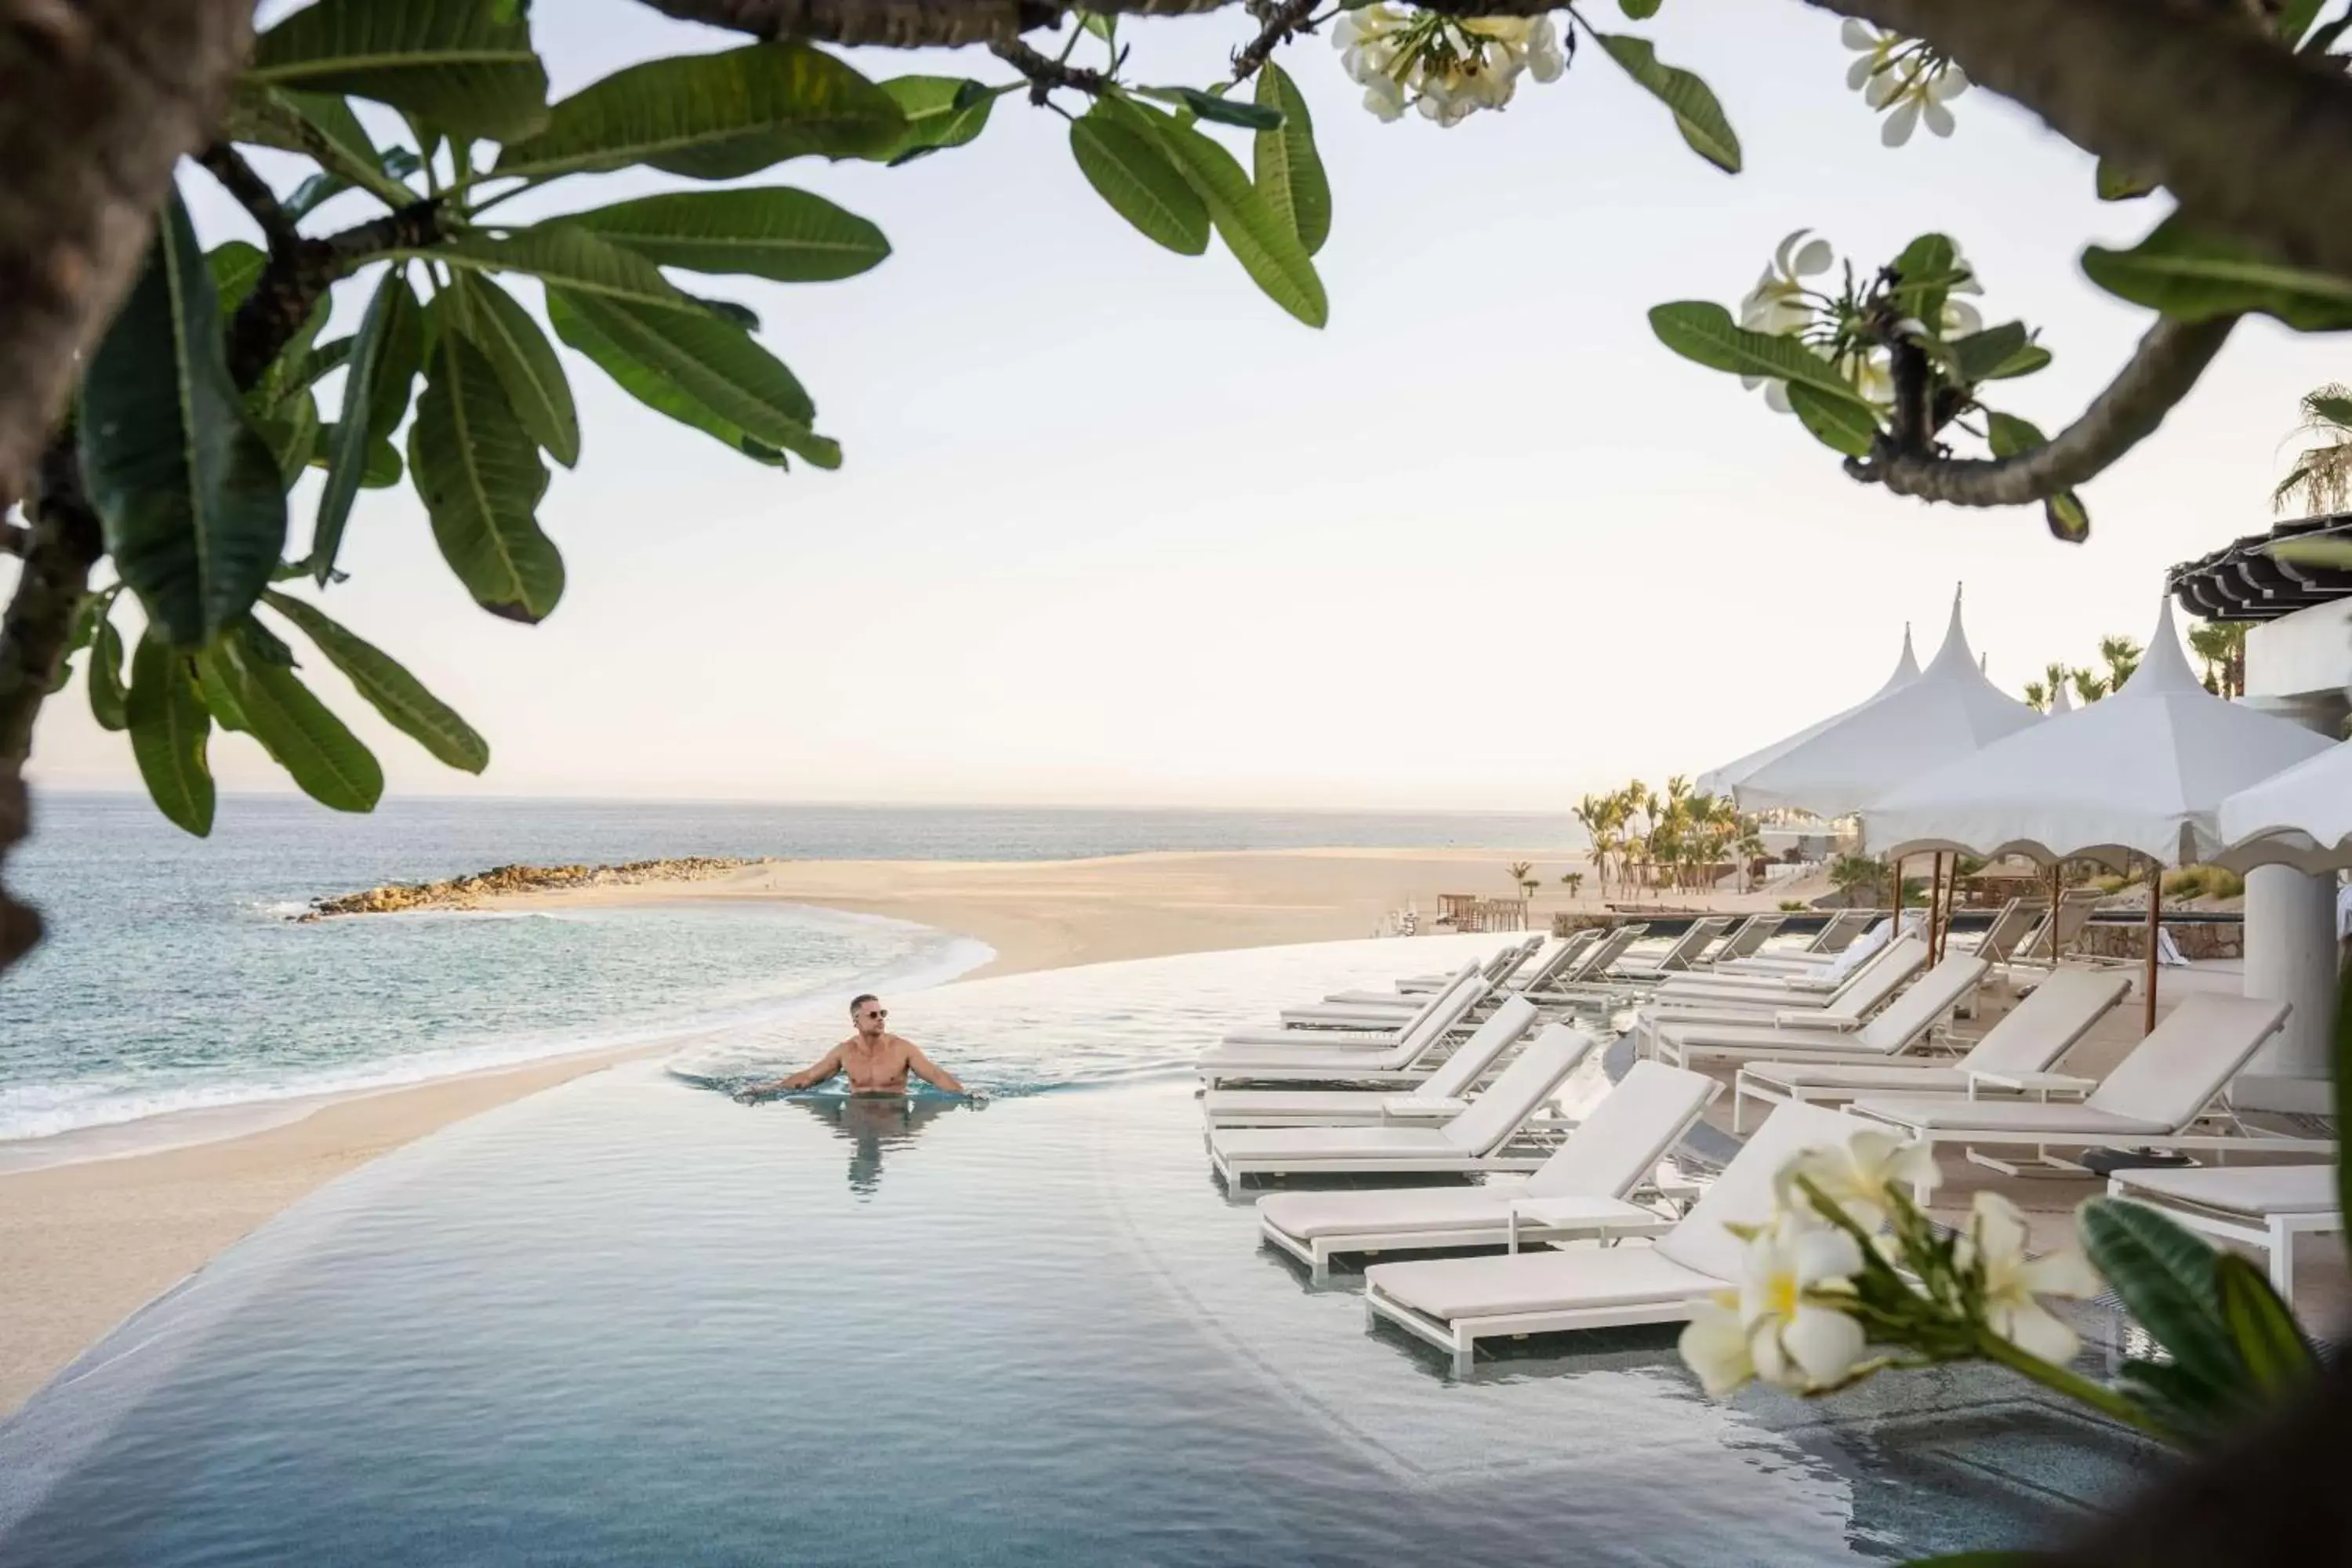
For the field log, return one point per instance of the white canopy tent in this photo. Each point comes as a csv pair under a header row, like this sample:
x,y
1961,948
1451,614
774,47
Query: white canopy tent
x,y
2142,774
2300,818
1950,711
1726,779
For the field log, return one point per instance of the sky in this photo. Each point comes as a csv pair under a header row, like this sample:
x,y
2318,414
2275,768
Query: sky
x,y
1113,529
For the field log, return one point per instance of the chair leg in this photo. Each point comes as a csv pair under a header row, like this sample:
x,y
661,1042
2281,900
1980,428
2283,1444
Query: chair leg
x,y
2283,1262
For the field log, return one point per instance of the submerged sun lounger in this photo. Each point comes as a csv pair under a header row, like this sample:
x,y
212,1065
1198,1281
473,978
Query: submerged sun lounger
x,y
1311,1060
2169,1084
1550,969
1497,969
1681,956
1588,976
1454,1302
1440,1094
1481,1138
2029,1039
1903,1023
2264,1206
1581,1191
1362,1036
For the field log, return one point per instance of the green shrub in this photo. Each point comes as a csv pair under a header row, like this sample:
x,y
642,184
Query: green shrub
x,y
1794,906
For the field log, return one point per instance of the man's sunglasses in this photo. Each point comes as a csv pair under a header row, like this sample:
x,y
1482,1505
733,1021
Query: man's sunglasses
x,y
876,1012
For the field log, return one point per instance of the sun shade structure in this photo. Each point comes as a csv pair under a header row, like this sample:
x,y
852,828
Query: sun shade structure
x,y
2301,817
1726,779
1949,711
2142,774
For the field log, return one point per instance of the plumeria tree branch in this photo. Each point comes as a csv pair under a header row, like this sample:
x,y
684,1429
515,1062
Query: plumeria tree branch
x,y
1046,73
301,270
1282,21
224,164
2160,372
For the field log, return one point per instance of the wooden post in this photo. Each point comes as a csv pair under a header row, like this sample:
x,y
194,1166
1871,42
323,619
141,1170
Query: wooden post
x,y
2147,980
2057,875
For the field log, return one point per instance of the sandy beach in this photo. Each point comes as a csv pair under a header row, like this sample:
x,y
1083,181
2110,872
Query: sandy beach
x,y
88,1243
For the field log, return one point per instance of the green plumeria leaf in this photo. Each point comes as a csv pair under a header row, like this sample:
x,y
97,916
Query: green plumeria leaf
x,y
2195,277
2068,519
941,112
323,128
477,470
1128,169
1983,356
386,351
695,365
1288,169
2164,1275
235,268
2117,184
190,494
2008,435
467,66
292,433
1838,423
1209,106
109,699
1698,115
525,363
389,688
713,117
2295,19
1262,240
1928,269
559,253
1704,333
301,734
789,235
2270,1341
169,732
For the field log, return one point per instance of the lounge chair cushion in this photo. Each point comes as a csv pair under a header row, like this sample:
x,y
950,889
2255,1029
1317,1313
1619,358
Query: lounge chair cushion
x,y
1448,1289
1333,1104
1333,1143
1961,1114
2252,1190
1339,1063
1753,1038
1858,1077
1309,1216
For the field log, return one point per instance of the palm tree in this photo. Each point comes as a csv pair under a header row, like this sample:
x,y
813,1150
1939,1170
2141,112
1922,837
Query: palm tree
x,y
2037,696
1854,875
2089,687
2322,476
1520,870
2221,645
2122,655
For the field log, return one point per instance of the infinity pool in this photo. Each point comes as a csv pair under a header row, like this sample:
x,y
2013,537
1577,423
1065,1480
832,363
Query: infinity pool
x,y
632,1322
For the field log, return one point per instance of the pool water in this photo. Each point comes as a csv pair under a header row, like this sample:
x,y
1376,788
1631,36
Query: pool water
x,y
631,1321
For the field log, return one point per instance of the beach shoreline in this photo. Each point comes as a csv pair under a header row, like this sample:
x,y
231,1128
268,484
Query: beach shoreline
x,y
92,1240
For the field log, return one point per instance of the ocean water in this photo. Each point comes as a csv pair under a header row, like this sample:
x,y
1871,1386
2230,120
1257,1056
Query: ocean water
x,y
630,1321
173,980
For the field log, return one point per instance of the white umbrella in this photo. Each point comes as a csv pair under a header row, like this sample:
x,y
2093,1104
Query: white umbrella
x,y
1723,780
2301,817
2142,773
1949,711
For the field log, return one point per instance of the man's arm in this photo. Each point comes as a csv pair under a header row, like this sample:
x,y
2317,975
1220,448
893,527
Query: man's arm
x,y
801,1079
931,1072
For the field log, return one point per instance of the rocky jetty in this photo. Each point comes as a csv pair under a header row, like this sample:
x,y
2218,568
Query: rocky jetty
x,y
468,892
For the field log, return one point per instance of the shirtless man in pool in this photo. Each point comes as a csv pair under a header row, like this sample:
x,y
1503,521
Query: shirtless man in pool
x,y
876,1061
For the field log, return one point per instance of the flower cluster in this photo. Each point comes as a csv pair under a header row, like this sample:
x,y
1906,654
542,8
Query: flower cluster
x,y
1848,1258
1447,66
1783,304
1903,77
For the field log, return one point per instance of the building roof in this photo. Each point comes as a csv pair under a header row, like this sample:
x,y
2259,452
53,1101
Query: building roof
x,y
2242,581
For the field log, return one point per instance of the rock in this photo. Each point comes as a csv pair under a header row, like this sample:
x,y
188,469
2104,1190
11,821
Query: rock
x,y
468,892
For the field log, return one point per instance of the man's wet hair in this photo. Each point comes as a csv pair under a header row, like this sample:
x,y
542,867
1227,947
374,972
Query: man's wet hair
x,y
858,1002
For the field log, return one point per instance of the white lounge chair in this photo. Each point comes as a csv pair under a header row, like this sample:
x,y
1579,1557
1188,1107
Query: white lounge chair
x,y
1441,1094
1840,933
2264,1206
1819,969
1454,1302
1373,1010
1586,977
1847,1007
1480,1138
2010,924
1404,1063
2035,949
1747,941
1543,972
1581,1191
1497,969
2029,1039
1684,952
1901,1025
1363,1037
2151,1101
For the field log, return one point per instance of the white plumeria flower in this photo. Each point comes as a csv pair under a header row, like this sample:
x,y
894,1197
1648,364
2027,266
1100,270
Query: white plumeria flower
x,y
1545,61
1995,1242
1792,1273
1447,67
1857,1176
1777,304
1903,75
1714,1344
